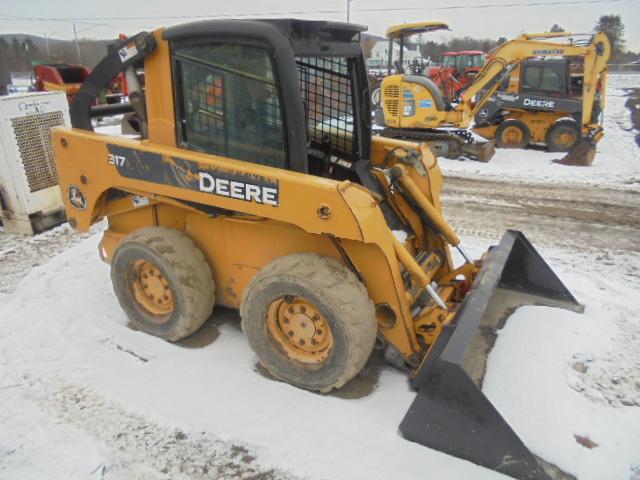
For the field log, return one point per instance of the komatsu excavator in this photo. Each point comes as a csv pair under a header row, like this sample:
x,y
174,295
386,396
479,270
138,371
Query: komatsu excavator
x,y
451,142
255,183
414,108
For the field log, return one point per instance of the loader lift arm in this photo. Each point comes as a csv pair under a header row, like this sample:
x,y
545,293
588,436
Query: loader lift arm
x,y
125,55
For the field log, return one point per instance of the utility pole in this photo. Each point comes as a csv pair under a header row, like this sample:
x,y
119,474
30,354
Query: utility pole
x,y
348,11
46,44
75,35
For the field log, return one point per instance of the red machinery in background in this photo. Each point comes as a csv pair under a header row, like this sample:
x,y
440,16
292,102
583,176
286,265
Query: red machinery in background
x,y
457,71
57,77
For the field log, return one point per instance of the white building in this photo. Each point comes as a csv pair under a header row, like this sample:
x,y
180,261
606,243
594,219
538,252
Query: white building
x,y
380,54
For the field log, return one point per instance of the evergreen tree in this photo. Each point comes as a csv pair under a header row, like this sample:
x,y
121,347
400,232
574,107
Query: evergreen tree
x,y
614,28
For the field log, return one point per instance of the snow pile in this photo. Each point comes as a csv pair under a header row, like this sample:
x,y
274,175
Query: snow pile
x,y
617,161
530,379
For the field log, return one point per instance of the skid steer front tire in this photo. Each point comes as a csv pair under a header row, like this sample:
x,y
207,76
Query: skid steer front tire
x,y
309,321
163,282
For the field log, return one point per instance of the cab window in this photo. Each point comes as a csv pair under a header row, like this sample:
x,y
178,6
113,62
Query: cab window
x,y
228,102
541,79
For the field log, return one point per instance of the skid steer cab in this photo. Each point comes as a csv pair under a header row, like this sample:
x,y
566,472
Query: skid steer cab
x,y
254,183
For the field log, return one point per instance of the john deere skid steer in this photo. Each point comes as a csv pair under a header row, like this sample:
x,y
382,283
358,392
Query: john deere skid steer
x,y
255,184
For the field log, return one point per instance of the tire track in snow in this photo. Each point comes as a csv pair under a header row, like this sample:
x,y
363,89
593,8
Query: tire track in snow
x,y
138,447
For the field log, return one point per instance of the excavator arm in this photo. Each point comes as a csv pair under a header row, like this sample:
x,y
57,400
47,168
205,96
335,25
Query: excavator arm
x,y
510,54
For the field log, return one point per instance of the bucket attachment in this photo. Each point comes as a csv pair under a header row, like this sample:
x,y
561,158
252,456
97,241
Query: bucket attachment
x,y
581,155
482,151
450,412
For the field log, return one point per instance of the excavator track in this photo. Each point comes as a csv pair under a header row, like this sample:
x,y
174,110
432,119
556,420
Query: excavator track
x,y
424,135
450,144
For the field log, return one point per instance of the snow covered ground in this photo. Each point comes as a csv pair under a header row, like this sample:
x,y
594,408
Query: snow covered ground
x,y
84,396
617,162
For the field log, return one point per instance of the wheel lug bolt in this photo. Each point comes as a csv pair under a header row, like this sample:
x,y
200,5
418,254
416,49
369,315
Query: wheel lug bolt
x,y
313,341
290,333
286,320
301,342
302,309
319,332
316,317
291,310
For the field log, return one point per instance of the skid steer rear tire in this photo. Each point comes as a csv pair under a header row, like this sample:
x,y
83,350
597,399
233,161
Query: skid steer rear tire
x,y
334,295
512,133
178,267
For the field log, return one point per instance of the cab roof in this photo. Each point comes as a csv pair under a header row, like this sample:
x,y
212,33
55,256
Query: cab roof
x,y
407,29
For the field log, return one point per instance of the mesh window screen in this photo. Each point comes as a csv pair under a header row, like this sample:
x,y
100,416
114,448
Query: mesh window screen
x,y
205,113
33,134
326,86
230,103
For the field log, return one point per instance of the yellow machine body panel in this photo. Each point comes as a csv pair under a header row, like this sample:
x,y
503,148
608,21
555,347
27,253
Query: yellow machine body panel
x,y
410,105
291,212
538,124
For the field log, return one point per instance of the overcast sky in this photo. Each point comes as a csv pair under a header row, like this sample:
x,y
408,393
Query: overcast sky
x,y
105,19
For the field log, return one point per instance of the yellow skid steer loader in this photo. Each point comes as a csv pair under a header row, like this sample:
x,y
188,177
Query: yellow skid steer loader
x,y
255,184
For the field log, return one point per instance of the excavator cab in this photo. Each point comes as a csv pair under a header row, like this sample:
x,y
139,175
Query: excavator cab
x,y
255,184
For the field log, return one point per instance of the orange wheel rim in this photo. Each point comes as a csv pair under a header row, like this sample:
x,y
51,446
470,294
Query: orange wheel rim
x,y
151,289
565,139
511,136
300,329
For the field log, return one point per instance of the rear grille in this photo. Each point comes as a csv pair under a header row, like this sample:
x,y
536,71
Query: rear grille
x,y
391,99
33,135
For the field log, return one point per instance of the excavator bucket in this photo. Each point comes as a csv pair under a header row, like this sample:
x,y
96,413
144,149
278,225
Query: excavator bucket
x,y
582,154
480,150
450,413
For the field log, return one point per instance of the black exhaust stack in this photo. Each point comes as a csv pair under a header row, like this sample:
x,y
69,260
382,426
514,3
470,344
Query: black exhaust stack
x,y
450,412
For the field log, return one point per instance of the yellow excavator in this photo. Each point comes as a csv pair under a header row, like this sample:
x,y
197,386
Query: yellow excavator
x,y
414,108
255,183
542,100
454,141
